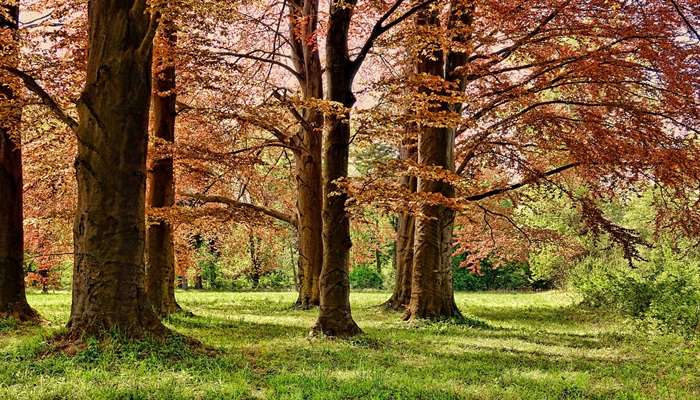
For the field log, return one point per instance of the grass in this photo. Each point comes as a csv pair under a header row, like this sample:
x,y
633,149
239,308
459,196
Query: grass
x,y
527,346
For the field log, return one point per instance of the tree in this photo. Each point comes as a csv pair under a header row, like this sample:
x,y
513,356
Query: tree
x,y
160,247
303,37
335,318
13,302
538,94
109,227
405,231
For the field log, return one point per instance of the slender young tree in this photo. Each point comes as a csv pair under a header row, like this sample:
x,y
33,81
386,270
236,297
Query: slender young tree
x,y
109,227
13,301
160,249
335,318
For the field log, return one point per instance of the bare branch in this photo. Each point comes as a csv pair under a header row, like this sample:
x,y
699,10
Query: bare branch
x,y
261,59
379,28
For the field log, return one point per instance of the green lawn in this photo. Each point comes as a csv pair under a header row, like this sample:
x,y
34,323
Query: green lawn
x,y
533,346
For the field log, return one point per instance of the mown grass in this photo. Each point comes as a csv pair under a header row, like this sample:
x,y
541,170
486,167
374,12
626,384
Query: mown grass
x,y
529,346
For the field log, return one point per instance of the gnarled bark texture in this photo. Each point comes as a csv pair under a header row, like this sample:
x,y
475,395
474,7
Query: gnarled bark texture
x,y
13,301
432,294
160,249
334,317
303,16
401,294
109,227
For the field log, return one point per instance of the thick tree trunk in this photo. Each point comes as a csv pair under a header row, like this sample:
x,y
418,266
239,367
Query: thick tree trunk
x,y
432,296
401,295
335,318
303,16
160,249
109,228
13,301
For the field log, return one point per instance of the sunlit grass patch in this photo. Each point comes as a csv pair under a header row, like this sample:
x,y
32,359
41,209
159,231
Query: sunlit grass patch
x,y
513,346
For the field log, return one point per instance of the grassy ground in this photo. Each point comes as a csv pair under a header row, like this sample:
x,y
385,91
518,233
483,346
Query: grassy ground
x,y
533,346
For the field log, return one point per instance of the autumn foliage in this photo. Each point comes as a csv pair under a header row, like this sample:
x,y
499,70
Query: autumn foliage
x,y
259,110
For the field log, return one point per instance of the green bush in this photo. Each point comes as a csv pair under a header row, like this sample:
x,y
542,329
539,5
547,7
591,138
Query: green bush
x,y
509,276
277,279
663,292
241,283
365,277
465,280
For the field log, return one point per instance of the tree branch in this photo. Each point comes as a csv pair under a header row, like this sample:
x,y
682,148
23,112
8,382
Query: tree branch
x,y
31,84
379,28
290,219
685,19
520,184
261,59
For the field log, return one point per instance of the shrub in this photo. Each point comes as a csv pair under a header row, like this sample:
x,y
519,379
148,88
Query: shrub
x,y
276,279
241,283
509,276
365,277
463,279
663,292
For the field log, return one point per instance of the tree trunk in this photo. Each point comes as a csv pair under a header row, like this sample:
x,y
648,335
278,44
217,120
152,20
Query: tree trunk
x,y
255,263
109,227
13,301
198,282
303,29
160,248
310,225
335,318
401,295
432,296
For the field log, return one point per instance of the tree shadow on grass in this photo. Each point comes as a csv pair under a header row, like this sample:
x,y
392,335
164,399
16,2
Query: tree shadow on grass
x,y
239,329
392,361
571,316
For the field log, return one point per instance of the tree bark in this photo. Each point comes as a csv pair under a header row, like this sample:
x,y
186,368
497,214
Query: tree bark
x,y
303,16
255,262
109,227
335,318
401,295
432,294
13,301
160,248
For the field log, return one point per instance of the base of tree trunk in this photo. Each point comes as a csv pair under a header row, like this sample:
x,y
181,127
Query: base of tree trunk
x,y
447,311
143,325
306,303
70,345
394,304
343,327
20,311
167,309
